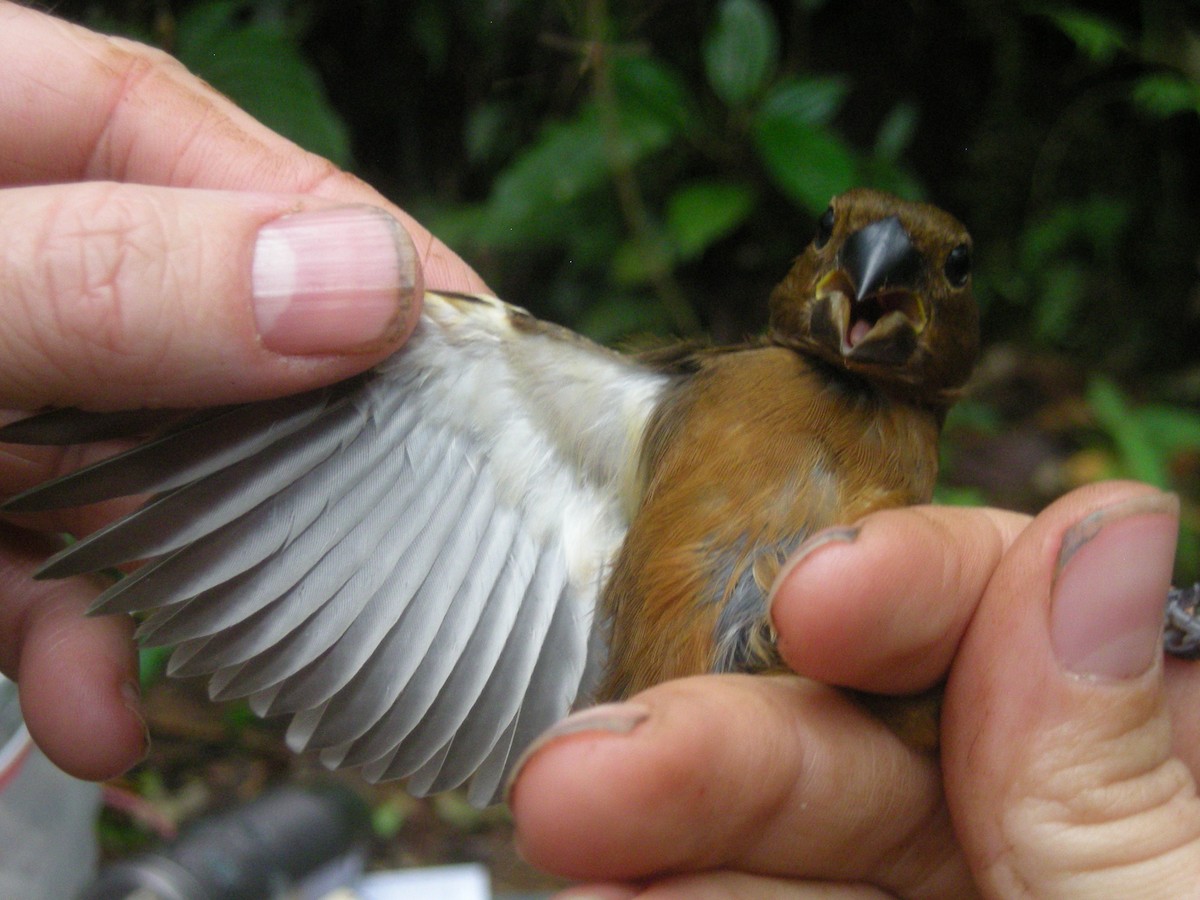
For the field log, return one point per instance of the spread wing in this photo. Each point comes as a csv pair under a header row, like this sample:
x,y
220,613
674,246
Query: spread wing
x,y
407,562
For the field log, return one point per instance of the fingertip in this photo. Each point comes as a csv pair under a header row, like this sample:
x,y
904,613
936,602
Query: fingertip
x,y
555,810
598,892
881,607
606,718
346,279
78,687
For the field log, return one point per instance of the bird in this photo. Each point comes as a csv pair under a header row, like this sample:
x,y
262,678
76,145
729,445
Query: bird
x,y
428,564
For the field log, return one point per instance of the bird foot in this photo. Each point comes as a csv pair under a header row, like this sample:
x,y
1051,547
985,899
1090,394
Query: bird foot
x,y
1182,635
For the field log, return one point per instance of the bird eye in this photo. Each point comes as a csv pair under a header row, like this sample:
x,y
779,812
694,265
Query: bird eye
x,y
824,229
958,265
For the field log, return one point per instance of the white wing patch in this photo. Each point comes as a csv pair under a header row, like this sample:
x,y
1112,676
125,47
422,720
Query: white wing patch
x,y
408,563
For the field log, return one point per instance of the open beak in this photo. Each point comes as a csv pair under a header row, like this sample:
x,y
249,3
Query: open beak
x,y
874,311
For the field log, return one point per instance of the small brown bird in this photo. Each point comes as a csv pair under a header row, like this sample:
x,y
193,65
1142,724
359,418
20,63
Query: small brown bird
x,y
430,563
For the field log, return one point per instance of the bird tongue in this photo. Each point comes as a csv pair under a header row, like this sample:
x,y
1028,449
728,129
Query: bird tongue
x,y
858,331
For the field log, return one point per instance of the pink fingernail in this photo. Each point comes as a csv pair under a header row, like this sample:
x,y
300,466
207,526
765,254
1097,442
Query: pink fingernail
x,y
1114,570
614,718
332,281
837,534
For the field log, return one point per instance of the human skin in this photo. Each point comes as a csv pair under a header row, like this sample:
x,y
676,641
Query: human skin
x,y
721,786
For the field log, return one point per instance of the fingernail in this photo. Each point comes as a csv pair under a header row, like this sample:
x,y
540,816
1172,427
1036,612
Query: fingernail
x,y
597,892
839,534
1110,587
614,718
332,280
131,696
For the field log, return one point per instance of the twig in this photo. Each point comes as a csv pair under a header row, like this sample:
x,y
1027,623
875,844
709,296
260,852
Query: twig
x,y
629,195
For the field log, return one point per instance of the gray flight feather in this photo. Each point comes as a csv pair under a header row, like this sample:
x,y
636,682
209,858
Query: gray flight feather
x,y
60,427
180,456
254,558
178,518
451,701
407,562
274,647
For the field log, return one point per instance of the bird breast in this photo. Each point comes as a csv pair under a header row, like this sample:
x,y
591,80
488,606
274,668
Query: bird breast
x,y
758,450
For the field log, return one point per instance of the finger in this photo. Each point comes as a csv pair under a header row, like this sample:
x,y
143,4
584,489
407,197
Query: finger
x,y
125,296
131,113
724,885
788,777
1182,677
1056,734
881,606
77,676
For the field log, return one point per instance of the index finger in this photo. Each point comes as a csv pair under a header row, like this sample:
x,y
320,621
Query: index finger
x,y
84,106
76,105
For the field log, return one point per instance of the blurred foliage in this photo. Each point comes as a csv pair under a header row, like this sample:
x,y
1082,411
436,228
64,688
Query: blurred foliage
x,y
653,167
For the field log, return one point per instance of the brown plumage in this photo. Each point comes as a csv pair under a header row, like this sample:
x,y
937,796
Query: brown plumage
x,y
430,563
834,414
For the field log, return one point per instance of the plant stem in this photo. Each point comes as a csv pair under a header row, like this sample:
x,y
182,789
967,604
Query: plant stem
x,y
629,195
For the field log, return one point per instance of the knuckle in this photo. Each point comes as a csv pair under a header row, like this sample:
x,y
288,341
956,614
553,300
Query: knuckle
x,y
101,260
133,69
136,57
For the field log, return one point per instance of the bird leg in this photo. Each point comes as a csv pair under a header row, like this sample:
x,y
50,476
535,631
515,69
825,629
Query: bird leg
x,y
1182,635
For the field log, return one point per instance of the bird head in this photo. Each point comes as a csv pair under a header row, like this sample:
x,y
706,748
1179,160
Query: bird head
x,y
884,291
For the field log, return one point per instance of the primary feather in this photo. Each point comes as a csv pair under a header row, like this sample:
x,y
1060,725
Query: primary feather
x,y
408,563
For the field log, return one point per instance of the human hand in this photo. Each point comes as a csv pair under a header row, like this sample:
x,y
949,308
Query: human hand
x,y
159,247
1055,783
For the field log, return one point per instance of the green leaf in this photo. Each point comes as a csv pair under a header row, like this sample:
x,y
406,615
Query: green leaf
x,y
1164,95
652,89
617,317
973,415
1135,448
388,817
896,132
1094,36
567,161
741,51
628,267
952,495
807,160
701,213
238,716
488,128
152,664
809,164
813,101
259,66
1173,429
1098,221
1061,294
636,262
884,175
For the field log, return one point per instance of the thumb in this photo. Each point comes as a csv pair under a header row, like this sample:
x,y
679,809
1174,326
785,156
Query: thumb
x,y
1056,736
118,295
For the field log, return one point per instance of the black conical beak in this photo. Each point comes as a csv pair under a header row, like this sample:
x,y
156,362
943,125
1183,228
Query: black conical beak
x,y
881,255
